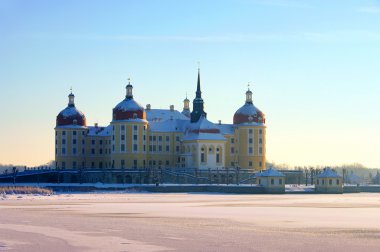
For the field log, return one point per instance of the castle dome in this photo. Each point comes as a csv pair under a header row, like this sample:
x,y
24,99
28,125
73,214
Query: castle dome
x,y
129,108
71,115
248,113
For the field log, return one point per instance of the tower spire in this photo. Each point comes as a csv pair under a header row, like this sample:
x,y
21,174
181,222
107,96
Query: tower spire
x,y
198,102
199,93
129,88
71,98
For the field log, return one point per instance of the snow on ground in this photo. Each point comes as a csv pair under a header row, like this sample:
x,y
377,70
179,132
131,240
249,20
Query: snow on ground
x,y
121,221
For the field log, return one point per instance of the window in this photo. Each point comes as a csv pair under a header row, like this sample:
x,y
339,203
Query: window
x,y
135,147
92,151
260,164
56,141
92,142
232,140
330,181
82,151
82,133
250,150
167,138
100,151
167,148
113,137
250,140
272,181
92,164
250,163
232,150
250,131
135,163
122,147
122,127
135,137
144,147
177,138
217,157
150,148
323,181
56,151
113,147
122,163
122,137
260,150
74,133
177,148
144,137
160,138
154,138
167,163
135,127
100,142
260,131
154,148
63,141
74,151
337,181
150,138
202,157
260,140
160,148
64,133
259,181
74,141
83,141
63,151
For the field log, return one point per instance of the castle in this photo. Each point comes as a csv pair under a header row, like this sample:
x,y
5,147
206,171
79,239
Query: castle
x,y
161,138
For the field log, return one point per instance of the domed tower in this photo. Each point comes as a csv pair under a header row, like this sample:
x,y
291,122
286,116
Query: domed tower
x,y
250,132
186,108
70,132
129,127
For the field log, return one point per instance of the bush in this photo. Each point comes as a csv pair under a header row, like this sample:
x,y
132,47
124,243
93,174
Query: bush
x,y
25,190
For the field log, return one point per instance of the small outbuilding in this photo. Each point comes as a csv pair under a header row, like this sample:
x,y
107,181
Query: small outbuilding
x,y
329,182
272,180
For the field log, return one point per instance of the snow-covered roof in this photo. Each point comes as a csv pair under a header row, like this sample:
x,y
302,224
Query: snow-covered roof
x,y
129,105
202,124
271,172
204,136
99,131
131,120
169,125
248,109
71,111
328,173
157,115
226,129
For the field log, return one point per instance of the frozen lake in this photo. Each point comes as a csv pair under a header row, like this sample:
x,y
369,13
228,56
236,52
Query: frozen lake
x,y
190,222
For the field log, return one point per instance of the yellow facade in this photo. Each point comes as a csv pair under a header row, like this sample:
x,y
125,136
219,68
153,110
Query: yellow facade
x,y
166,138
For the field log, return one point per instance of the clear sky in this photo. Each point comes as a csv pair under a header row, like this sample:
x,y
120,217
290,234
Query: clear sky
x,y
314,65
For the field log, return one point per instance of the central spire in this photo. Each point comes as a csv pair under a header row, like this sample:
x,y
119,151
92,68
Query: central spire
x,y
199,93
198,102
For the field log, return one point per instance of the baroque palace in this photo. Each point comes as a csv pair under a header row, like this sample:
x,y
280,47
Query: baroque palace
x,y
139,137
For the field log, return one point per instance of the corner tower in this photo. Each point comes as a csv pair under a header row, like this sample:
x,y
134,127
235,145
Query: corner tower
x,y
198,103
250,131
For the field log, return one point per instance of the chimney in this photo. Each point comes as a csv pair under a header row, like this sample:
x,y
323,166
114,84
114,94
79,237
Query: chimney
x,y
220,122
148,107
96,125
171,107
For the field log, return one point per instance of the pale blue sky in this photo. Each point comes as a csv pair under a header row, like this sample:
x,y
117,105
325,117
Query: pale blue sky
x,y
314,65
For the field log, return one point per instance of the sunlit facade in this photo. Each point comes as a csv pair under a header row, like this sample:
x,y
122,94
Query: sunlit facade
x,y
139,137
